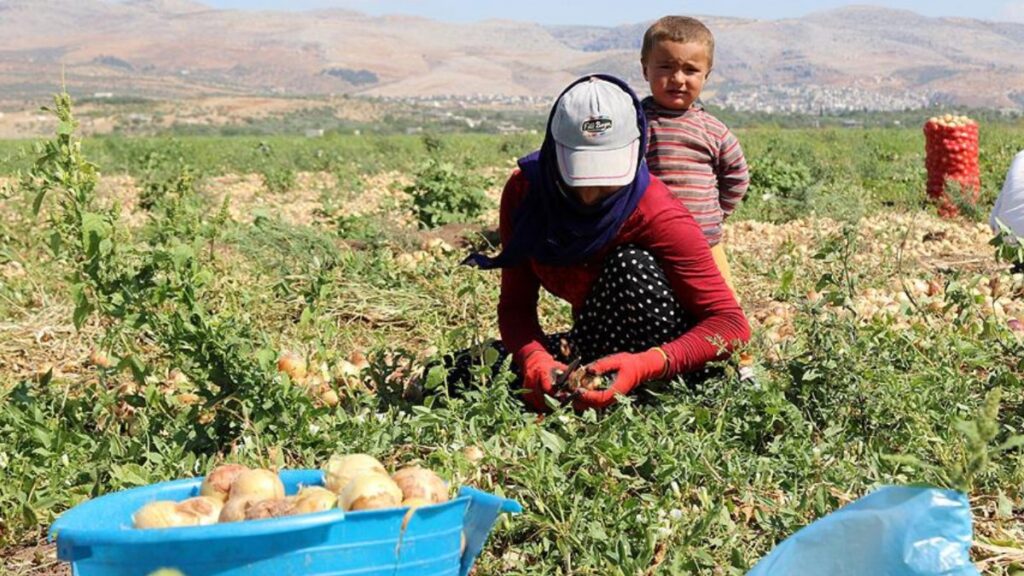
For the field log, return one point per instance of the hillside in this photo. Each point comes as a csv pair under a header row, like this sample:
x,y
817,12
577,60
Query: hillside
x,y
178,48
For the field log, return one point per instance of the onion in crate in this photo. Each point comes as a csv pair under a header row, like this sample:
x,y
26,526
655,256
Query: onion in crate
x,y
218,482
205,508
259,484
420,483
371,492
340,470
314,499
163,514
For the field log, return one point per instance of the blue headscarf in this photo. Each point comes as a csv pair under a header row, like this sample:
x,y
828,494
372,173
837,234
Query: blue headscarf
x,y
551,225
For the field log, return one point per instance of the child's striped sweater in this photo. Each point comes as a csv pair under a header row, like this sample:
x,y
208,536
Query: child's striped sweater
x,y
701,162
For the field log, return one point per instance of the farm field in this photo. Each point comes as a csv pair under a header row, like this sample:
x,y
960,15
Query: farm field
x,y
143,310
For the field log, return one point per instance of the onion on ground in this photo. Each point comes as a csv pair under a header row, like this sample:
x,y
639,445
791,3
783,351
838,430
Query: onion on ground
x,y
473,453
99,359
293,365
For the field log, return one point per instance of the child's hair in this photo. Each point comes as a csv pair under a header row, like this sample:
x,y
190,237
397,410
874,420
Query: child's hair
x,y
678,29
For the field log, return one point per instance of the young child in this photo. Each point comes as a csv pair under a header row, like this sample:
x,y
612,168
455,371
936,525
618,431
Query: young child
x,y
691,151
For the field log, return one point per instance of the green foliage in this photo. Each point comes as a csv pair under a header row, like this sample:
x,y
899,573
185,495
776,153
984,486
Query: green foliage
x,y
277,179
788,179
155,290
1009,247
980,448
698,475
781,188
442,194
360,228
839,283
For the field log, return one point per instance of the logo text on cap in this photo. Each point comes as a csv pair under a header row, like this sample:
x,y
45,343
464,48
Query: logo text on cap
x,y
596,126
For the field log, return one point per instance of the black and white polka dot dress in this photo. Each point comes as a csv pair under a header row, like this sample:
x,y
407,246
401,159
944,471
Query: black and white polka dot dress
x,y
630,308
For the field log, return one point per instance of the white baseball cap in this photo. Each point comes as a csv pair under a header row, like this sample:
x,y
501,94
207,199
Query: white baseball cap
x,y
597,140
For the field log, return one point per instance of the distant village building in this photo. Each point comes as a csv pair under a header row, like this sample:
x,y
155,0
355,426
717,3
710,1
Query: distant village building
x,y
811,99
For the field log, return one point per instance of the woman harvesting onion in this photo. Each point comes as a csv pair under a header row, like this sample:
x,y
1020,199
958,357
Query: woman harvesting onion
x,y
583,218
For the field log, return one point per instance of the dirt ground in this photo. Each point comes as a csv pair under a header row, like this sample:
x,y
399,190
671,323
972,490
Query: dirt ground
x,y
34,560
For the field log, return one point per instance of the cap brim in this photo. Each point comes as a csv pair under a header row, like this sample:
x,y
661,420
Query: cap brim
x,y
584,167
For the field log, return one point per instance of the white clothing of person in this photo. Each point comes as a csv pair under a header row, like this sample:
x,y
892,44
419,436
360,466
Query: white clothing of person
x,y
1009,208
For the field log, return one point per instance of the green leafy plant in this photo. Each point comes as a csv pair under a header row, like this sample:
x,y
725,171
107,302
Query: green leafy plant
x,y
441,194
153,291
701,475
782,187
277,179
1009,248
980,448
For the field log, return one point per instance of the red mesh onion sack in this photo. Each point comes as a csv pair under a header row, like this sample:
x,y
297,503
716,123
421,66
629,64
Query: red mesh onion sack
x,y
952,156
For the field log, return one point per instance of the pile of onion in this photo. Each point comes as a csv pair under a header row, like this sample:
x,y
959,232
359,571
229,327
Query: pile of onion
x,y
234,493
363,483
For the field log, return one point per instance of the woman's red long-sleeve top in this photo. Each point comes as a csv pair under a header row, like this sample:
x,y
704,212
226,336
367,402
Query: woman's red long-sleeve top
x,y
661,225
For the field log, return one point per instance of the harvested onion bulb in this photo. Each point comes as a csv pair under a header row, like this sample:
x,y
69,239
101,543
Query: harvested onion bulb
x,y
217,483
420,483
314,499
582,379
293,365
473,453
412,504
341,470
205,508
268,509
234,509
163,514
259,484
370,492
415,502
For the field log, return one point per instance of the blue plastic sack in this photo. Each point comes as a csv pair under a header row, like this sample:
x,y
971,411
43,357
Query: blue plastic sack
x,y
894,531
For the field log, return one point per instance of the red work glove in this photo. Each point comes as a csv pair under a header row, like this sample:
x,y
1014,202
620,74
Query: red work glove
x,y
539,370
631,370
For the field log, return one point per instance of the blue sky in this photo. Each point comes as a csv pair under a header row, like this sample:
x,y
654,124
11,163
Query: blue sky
x,y
613,12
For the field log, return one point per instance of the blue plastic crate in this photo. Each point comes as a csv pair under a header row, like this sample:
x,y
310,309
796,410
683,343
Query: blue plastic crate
x,y
98,539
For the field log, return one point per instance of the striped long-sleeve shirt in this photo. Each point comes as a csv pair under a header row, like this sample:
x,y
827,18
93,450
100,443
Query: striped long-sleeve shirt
x,y
701,162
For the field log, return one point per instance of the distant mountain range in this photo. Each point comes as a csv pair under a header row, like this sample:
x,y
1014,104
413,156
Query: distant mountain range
x,y
860,56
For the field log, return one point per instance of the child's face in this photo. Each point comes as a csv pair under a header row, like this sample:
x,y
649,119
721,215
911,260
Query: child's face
x,y
676,72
